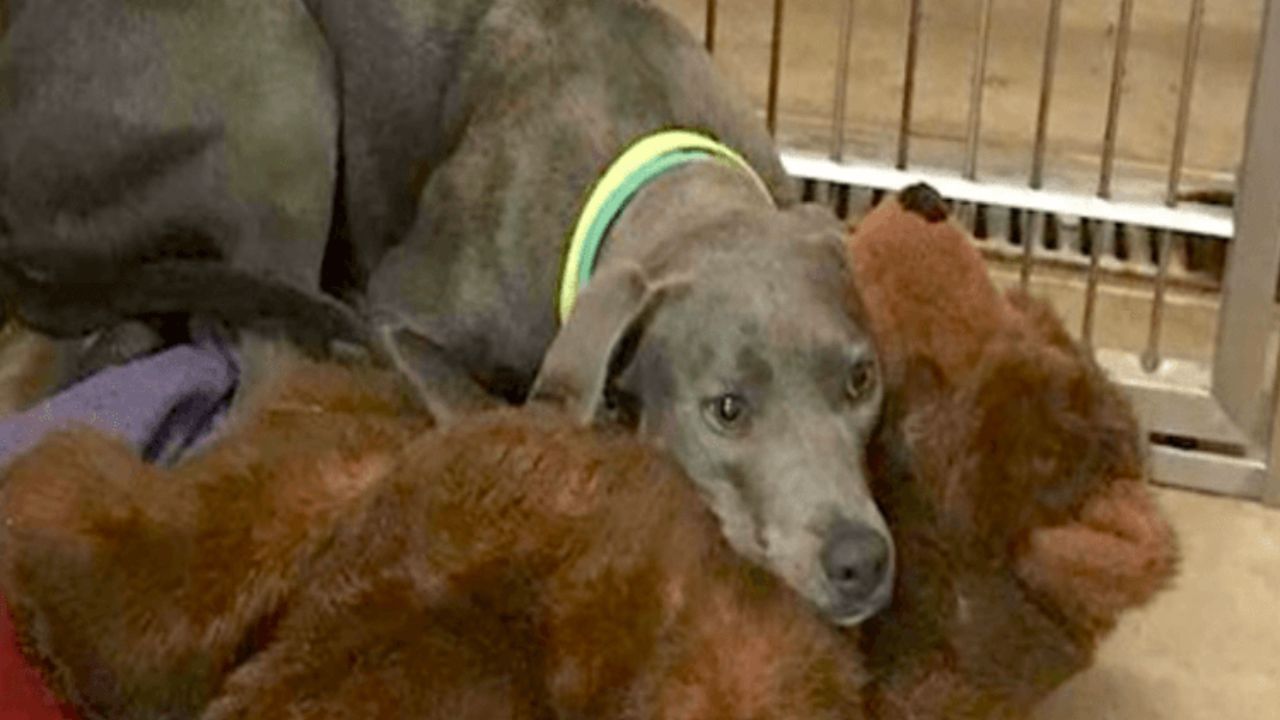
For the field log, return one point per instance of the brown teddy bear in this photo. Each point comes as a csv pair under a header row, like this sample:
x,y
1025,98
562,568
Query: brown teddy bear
x,y
1012,474
331,557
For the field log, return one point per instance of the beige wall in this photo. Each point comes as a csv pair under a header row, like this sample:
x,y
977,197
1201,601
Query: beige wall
x,y
1012,84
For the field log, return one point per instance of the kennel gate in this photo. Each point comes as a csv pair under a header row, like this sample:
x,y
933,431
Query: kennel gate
x,y
1215,425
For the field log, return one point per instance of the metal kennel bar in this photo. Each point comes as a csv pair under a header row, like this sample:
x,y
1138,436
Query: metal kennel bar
x,y
775,67
841,103
709,27
1244,364
1124,29
1195,25
1091,289
976,83
1215,425
914,16
1052,33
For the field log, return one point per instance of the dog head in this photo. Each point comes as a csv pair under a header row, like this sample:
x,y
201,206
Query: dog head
x,y
743,353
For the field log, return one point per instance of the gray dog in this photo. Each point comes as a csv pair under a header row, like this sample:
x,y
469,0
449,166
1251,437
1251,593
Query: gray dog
x,y
228,158
717,317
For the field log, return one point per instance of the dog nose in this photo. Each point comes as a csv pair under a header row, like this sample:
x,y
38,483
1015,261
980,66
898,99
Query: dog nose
x,y
855,559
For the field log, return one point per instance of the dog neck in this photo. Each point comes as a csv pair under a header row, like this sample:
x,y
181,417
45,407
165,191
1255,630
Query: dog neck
x,y
671,212
637,177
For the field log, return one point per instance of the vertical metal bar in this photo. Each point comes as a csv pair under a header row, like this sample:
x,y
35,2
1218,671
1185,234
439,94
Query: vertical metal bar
x,y
976,82
775,66
1026,219
1271,484
709,27
1046,92
966,215
1113,102
909,83
1240,364
1097,232
962,214
1189,57
841,93
841,202
1151,355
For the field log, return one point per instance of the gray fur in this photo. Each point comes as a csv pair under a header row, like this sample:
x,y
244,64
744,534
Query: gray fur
x,y
703,285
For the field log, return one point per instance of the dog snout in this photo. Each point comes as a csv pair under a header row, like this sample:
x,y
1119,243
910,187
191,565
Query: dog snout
x,y
858,563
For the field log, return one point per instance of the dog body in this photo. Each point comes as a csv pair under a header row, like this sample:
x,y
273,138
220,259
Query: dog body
x,y
316,561
136,184
541,97
717,320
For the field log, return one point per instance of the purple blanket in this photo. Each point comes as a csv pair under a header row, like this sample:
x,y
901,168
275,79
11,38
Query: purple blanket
x,y
162,404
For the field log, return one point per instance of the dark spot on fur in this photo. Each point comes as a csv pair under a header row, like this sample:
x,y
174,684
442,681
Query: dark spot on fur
x,y
753,369
923,200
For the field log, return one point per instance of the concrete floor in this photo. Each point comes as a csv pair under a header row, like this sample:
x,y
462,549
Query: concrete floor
x,y
1209,647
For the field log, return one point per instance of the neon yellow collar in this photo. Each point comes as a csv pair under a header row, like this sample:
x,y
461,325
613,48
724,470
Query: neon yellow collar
x,y
644,160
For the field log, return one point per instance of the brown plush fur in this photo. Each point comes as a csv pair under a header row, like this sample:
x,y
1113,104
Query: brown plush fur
x,y
515,567
510,566
536,570
1012,476
142,586
925,293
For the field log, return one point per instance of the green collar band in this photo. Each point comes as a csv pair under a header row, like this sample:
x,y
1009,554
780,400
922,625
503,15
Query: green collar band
x,y
642,162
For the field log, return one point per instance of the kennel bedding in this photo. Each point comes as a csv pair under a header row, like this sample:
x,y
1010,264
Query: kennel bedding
x,y
23,695
162,404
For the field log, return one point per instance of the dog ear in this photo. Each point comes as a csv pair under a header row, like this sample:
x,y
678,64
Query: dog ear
x,y
442,389
588,350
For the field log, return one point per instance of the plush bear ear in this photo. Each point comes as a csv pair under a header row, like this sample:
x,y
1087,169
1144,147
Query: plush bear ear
x,y
925,201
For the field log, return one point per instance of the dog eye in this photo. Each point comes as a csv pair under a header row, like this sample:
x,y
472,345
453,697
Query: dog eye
x,y
861,380
728,411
